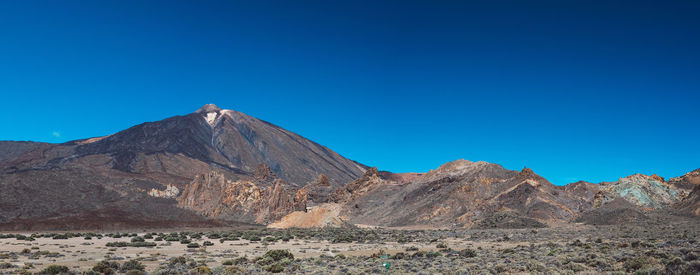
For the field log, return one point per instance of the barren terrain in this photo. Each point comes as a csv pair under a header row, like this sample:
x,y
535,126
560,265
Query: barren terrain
x,y
670,248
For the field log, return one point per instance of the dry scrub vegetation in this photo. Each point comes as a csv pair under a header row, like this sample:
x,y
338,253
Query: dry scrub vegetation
x,y
563,249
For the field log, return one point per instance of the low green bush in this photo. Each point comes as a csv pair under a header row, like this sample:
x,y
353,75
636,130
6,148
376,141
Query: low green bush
x,y
54,269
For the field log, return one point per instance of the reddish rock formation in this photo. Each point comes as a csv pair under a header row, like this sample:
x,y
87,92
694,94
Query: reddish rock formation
x,y
687,182
319,190
214,196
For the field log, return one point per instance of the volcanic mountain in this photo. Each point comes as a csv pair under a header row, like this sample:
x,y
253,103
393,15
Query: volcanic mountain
x,y
221,167
133,177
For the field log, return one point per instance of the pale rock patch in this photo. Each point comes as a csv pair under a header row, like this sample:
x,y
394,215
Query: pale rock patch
x,y
170,192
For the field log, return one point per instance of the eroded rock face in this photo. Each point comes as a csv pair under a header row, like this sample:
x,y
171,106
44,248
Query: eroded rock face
x,y
358,187
644,191
318,191
688,181
214,196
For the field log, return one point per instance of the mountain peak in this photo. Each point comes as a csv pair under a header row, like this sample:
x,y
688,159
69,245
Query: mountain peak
x,y
208,108
527,172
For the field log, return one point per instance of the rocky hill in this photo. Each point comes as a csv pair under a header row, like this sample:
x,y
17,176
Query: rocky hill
x,y
485,195
459,193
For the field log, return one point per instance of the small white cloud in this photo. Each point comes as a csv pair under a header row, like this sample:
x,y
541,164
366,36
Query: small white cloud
x,y
56,134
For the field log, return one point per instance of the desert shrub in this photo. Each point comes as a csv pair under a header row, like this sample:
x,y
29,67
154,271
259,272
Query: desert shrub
x,y
637,263
227,262
177,260
137,239
233,270
132,265
106,267
274,268
192,245
344,238
134,244
500,268
278,254
263,261
135,272
202,269
467,253
269,239
675,266
117,244
397,256
90,272
55,269
240,260
6,265
575,267
172,238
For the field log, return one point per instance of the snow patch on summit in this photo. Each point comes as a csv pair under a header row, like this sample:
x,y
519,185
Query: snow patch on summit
x,y
211,117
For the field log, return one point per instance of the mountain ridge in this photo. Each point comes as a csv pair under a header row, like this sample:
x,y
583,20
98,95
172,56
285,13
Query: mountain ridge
x,y
216,166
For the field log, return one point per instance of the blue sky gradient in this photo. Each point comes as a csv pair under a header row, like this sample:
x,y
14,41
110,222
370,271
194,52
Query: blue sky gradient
x,y
576,90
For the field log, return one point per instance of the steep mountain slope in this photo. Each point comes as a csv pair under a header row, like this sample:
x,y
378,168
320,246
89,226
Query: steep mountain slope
x,y
134,176
228,139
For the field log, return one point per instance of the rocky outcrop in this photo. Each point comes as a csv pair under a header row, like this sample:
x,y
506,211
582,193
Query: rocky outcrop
x,y
643,191
319,191
686,182
359,187
213,196
170,192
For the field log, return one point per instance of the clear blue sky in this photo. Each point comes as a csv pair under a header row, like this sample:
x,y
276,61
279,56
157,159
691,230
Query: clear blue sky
x,y
576,90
